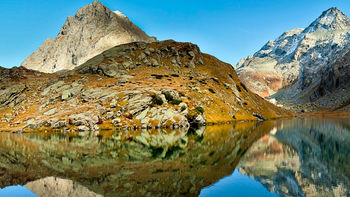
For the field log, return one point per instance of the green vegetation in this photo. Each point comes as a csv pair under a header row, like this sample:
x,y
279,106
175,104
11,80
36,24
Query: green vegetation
x,y
200,110
168,96
171,99
172,152
156,100
175,102
156,151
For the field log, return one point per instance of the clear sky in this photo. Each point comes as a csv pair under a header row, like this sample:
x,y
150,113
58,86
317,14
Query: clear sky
x,y
227,29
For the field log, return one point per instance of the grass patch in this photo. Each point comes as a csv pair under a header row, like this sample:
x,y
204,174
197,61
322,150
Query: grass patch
x,y
175,102
156,151
156,100
168,96
200,110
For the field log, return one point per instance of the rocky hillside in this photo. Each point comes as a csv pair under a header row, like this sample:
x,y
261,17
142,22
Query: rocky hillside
x,y
295,62
93,29
137,85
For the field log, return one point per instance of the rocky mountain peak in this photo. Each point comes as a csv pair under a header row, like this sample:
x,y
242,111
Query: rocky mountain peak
x,y
94,8
331,19
92,30
296,60
95,14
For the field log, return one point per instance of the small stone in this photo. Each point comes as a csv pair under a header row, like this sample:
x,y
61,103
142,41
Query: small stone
x,y
66,94
113,104
154,63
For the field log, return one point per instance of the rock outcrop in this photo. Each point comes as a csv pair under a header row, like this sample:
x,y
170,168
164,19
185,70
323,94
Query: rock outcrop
x,y
132,86
93,29
294,63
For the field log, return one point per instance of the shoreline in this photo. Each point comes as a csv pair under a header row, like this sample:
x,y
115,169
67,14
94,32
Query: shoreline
x,y
317,115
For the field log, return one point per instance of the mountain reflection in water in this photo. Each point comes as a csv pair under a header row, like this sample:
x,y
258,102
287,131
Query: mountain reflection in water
x,y
302,158
289,157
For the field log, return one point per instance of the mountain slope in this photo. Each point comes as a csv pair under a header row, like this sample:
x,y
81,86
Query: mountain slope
x,y
295,61
136,85
93,29
333,89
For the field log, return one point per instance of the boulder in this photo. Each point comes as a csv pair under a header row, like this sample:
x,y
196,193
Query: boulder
x,y
109,115
83,128
50,112
60,124
117,122
199,120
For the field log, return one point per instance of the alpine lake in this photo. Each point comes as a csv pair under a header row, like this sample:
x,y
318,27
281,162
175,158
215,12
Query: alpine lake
x,y
299,157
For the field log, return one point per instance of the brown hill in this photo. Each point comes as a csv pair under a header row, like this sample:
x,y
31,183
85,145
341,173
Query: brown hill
x,y
136,85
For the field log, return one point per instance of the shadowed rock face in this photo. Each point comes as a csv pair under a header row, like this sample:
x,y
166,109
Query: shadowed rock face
x,y
333,89
94,29
295,62
302,158
107,165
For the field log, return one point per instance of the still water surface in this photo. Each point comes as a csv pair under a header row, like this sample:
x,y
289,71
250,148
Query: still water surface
x,y
308,157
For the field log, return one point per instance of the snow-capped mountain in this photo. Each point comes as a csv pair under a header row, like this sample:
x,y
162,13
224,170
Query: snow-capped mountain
x,y
294,62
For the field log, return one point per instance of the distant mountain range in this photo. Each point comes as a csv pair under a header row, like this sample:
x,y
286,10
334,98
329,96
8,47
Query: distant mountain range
x,y
302,65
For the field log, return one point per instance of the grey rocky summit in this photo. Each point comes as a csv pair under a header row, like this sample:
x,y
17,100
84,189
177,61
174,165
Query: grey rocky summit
x,y
295,61
93,29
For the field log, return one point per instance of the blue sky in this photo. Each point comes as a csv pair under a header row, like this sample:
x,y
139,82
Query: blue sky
x,y
227,29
